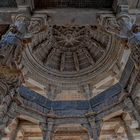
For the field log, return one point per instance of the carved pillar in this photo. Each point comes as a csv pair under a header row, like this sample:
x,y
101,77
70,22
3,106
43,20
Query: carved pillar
x,y
15,130
49,133
43,129
136,96
130,108
131,33
127,130
47,129
129,30
7,110
10,76
11,46
5,102
94,128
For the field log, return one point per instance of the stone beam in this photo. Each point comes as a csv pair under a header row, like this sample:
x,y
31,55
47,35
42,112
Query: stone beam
x,y
69,120
112,95
127,72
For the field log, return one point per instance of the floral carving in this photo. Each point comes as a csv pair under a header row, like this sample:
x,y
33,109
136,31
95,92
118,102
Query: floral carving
x,y
68,45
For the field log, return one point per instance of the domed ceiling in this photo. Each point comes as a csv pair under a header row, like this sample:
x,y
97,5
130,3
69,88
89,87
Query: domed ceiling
x,y
69,56
70,50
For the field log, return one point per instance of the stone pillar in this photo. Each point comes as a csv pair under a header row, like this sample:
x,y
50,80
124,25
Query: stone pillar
x,y
95,128
11,46
47,129
127,130
130,108
5,105
136,96
5,120
132,33
15,130
129,30
43,129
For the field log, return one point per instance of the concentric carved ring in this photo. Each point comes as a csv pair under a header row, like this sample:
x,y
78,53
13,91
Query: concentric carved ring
x,y
70,55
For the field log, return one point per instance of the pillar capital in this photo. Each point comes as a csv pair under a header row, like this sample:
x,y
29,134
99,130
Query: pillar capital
x,y
94,127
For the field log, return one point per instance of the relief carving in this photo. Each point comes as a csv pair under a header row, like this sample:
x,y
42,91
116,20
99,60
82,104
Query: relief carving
x,y
11,48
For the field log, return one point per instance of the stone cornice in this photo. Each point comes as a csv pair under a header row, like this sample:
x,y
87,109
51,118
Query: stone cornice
x,y
112,96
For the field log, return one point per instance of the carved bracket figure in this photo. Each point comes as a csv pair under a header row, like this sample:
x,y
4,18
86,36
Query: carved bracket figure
x,y
12,44
11,48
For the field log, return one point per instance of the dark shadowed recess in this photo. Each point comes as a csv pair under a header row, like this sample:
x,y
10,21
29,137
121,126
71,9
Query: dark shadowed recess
x,y
96,4
8,3
3,29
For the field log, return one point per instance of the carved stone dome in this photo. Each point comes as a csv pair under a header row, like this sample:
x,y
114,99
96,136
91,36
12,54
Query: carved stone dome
x,y
70,50
69,56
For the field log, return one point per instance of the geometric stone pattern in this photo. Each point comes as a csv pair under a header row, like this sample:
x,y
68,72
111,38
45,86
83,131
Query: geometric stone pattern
x,y
70,56
70,49
112,114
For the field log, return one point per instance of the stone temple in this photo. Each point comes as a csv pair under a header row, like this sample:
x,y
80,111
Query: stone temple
x,y
69,70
